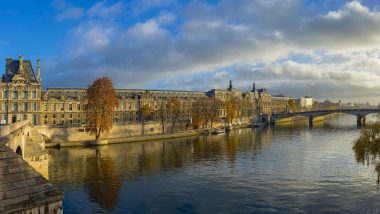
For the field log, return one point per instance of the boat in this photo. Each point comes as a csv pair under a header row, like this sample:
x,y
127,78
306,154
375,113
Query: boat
x,y
218,131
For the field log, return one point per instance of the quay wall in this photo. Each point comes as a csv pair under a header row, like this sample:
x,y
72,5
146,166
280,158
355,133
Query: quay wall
x,y
67,134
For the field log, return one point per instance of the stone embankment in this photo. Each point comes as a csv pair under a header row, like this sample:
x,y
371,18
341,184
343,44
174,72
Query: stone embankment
x,y
121,137
126,139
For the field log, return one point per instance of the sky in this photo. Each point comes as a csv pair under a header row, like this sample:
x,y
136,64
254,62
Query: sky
x,y
328,49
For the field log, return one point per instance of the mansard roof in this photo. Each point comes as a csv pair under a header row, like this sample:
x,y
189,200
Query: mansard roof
x,y
13,68
64,93
77,93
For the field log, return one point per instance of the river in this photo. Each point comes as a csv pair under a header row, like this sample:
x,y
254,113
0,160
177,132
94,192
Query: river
x,y
286,168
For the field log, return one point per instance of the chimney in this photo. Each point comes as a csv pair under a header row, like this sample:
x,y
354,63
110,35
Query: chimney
x,y
21,64
8,62
38,70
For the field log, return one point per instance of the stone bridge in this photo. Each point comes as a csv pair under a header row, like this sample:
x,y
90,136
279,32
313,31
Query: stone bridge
x,y
23,139
360,113
14,136
22,188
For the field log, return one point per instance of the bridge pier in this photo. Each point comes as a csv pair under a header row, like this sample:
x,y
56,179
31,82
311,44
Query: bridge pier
x,y
360,120
272,120
311,118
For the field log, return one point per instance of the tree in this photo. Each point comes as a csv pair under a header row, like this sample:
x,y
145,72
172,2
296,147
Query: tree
x,y
292,105
205,111
197,113
99,106
146,112
232,106
214,106
247,108
367,147
174,109
200,112
163,115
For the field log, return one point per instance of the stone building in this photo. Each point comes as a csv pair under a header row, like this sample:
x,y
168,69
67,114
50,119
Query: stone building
x,y
270,104
307,103
22,97
264,101
280,103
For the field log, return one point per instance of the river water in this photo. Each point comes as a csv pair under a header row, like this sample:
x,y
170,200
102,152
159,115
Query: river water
x,y
287,168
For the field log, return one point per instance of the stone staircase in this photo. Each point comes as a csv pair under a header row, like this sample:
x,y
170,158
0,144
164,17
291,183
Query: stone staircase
x,y
36,137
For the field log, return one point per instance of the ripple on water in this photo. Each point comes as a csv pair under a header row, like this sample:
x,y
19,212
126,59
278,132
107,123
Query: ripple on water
x,y
272,170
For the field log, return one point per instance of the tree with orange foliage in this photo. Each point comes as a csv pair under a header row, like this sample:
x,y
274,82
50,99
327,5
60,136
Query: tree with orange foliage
x,y
174,108
205,111
99,106
146,112
233,107
292,105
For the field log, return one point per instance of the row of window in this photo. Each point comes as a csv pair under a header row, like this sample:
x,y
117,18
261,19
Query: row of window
x,y
16,95
25,107
53,107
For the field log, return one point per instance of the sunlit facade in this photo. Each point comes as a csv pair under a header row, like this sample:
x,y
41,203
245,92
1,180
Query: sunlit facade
x,y
22,98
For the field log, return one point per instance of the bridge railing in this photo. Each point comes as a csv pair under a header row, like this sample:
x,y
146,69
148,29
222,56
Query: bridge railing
x,y
8,129
337,110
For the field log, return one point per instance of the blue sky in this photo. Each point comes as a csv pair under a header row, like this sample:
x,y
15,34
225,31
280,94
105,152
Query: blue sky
x,y
327,49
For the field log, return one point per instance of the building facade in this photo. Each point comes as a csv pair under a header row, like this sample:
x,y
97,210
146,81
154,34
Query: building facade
x,y
307,103
22,98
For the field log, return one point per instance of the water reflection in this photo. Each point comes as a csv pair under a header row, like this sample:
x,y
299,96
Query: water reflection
x,y
282,168
102,170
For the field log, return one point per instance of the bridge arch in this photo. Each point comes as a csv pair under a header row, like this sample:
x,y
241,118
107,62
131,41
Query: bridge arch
x,y
19,151
359,113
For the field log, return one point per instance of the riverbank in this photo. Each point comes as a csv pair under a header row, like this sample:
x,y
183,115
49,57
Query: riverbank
x,y
120,138
139,138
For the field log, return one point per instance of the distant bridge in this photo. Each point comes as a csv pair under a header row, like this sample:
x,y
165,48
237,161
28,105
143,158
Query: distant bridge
x,y
360,113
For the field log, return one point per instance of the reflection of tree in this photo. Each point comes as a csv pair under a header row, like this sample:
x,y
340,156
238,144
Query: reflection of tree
x,y
231,145
104,184
367,147
103,170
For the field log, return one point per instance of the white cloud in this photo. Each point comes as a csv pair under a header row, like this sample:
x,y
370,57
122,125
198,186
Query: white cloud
x,y
246,41
67,11
106,11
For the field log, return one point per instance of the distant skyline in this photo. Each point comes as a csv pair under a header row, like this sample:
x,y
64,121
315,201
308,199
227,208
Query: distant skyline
x,y
326,49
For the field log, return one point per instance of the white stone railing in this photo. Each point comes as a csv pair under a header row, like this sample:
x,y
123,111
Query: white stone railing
x,y
8,129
